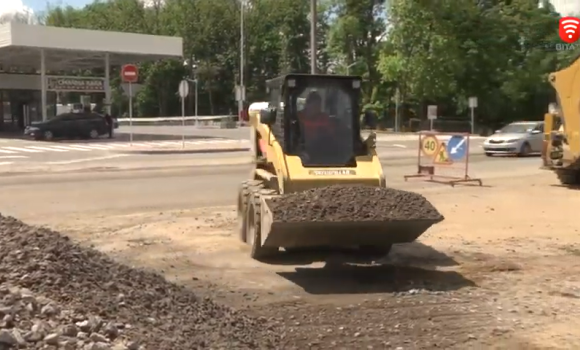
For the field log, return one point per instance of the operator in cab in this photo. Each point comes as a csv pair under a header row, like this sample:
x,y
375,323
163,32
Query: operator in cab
x,y
312,118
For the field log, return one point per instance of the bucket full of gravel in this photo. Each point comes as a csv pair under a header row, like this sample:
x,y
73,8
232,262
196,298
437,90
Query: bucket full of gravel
x,y
57,295
341,215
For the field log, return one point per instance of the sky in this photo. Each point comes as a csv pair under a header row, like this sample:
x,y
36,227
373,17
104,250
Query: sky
x,y
9,6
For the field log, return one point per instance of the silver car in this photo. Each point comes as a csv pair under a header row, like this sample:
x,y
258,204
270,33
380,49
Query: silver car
x,y
519,138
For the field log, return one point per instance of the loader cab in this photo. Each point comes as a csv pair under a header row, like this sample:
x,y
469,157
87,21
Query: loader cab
x,y
317,117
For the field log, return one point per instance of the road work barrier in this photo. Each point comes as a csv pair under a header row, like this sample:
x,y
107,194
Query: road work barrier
x,y
443,158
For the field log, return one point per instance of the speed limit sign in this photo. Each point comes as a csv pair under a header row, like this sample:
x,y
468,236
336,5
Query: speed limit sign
x,y
429,145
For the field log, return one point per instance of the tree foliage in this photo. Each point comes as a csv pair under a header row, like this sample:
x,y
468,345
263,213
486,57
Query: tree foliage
x,y
426,52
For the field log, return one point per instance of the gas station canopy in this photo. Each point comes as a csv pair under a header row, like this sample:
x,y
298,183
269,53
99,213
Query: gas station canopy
x,y
66,49
39,50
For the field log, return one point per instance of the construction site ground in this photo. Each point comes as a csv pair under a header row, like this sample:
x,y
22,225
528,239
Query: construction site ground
x,y
501,272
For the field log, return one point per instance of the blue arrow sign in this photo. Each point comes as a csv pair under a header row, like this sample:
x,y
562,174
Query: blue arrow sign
x,y
457,147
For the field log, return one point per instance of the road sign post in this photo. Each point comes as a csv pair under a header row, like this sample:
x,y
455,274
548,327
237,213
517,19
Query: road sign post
x,y
472,106
183,92
431,115
130,75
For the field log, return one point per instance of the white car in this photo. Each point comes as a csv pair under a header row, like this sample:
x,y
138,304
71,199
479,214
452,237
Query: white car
x,y
519,138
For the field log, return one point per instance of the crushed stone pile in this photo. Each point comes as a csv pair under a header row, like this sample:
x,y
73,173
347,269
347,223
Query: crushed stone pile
x,y
57,295
339,203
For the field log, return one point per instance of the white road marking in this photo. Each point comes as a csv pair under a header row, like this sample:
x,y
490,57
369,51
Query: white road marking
x,y
47,149
87,159
71,148
120,145
20,149
399,146
13,157
24,148
6,163
93,147
140,144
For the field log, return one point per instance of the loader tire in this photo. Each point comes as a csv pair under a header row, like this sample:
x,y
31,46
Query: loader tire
x,y
244,193
568,177
253,222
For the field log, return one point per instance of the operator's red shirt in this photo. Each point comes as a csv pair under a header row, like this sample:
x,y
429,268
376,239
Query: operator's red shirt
x,y
313,125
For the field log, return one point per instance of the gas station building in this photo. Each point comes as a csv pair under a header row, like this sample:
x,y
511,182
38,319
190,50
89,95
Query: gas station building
x,y
34,61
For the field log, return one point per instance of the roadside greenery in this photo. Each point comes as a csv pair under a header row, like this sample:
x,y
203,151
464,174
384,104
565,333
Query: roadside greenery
x,y
432,52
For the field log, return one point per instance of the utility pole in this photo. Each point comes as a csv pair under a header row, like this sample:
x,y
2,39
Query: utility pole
x,y
313,23
242,88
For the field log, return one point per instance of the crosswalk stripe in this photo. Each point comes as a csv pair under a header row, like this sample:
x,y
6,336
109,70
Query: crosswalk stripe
x,y
141,144
72,148
89,146
63,147
115,145
20,149
47,149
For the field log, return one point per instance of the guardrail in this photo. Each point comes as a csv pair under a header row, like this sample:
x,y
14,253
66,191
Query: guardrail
x,y
223,121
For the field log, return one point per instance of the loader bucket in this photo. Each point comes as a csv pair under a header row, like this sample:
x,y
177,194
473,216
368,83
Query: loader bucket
x,y
275,233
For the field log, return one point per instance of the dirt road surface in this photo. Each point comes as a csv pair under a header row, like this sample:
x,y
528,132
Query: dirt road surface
x,y
501,272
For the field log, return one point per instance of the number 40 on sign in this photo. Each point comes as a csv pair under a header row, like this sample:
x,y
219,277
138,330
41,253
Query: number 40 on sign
x,y
429,145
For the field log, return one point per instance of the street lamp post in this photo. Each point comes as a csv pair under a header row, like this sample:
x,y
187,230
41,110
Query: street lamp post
x,y
242,94
313,48
191,65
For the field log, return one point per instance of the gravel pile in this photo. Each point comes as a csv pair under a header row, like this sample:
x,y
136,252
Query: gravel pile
x,y
340,203
57,295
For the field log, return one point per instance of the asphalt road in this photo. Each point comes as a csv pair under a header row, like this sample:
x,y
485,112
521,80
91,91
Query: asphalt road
x,y
16,154
174,188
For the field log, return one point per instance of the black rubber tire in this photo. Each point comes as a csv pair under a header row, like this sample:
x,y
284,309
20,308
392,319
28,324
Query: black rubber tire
x,y
489,154
93,134
568,177
244,192
253,222
526,150
47,135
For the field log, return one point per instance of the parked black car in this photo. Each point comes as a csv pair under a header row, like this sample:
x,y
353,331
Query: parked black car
x,y
69,126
